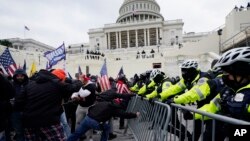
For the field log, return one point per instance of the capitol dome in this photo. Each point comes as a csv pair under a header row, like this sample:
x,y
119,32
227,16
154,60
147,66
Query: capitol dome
x,y
139,10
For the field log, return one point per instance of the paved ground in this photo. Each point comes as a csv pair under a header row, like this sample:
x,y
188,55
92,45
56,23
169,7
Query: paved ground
x,y
119,132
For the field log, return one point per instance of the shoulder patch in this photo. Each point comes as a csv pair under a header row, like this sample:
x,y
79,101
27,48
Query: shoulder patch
x,y
201,81
239,97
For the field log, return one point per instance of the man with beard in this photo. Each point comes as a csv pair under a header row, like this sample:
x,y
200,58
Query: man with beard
x,y
20,79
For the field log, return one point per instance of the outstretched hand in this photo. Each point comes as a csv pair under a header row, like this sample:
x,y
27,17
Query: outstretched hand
x,y
138,114
187,115
169,101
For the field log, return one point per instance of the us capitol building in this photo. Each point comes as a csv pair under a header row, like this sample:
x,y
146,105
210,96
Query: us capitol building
x,y
141,39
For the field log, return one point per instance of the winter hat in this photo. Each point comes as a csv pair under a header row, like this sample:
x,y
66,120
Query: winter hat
x,y
59,73
85,78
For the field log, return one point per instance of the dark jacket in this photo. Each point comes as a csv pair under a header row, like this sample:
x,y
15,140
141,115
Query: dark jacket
x,y
19,85
41,100
103,111
89,100
7,92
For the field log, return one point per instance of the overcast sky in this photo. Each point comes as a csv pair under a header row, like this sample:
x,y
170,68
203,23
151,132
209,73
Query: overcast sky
x,y
56,21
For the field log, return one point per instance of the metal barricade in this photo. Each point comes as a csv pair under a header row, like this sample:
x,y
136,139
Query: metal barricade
x,y
152,124
197,127
163,122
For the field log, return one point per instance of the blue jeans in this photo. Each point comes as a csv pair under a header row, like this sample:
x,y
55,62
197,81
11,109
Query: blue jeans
x,y
2,136
88,123
65,124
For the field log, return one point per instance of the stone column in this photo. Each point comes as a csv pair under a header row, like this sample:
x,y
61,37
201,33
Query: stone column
x,y
161,36
128,39
116,40
148,37
145,37
120,39
109,40
157,36
136,38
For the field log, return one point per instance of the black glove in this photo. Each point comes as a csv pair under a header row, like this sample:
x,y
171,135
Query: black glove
x,y
132,94
127,96
169,101
187,115
142,97
152,100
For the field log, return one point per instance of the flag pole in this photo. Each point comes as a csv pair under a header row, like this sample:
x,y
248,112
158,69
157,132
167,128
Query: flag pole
x,y
64,60
24,32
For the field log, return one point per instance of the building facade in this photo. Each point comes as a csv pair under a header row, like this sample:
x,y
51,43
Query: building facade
x,y
29,45
141,40
139,24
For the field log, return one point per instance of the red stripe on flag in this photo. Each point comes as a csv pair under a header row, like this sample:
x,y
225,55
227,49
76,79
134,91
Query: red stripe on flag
x,y
122,88
104,82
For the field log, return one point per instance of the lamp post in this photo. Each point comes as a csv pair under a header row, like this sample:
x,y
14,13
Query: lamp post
x,y
39,56
246,32
81,48
159,44
97,47
219,32
176,41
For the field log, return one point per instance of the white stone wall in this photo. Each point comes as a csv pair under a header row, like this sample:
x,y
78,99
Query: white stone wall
x,y
131,65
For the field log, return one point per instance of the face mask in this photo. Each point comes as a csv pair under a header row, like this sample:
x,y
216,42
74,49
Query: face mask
x,y
235,85
158,78
189,74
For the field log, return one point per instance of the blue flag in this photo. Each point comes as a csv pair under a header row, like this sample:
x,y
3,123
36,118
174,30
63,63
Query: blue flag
x,y
56,55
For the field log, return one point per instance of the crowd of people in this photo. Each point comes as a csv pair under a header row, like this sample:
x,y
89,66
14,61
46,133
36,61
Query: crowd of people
x,y
93,55
49,106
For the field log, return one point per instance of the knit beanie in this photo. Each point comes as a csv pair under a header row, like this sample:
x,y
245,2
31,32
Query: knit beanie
x,y
85,77
59,73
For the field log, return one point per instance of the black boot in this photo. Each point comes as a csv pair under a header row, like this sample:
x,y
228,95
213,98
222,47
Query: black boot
x,y
112,136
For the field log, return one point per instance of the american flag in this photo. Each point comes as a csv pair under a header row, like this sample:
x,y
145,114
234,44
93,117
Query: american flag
x,y
134,12
104,80
7,62
122,87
